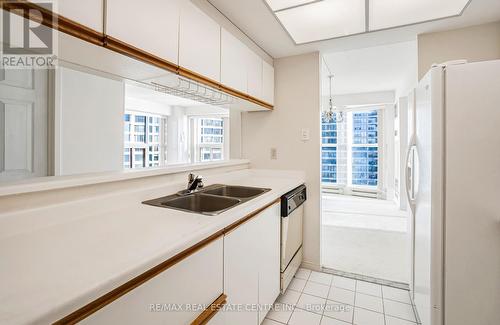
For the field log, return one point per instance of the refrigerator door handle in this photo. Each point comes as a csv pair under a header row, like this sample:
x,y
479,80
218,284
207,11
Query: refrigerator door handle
x,y
409,172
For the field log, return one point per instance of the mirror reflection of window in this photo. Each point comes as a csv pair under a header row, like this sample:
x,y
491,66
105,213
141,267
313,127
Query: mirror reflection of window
x,y
144,140
162,130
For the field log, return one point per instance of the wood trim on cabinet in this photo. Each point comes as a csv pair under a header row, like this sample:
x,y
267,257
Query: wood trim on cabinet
x,y
92,307
210,312
217,85
53,20
135,53
70,27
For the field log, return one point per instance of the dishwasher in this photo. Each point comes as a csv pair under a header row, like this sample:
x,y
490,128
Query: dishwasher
x,y
292,212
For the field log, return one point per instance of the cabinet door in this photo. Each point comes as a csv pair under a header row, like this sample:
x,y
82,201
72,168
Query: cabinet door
x,y
196,280
233,64
151,25
267,83
252,266
241,272
254,73
88,13
199,42
268,245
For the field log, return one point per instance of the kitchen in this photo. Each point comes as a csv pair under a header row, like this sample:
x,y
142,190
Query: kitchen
x,y
167,168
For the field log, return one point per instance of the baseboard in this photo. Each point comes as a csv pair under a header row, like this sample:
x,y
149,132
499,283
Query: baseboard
x,y
310,266
355,276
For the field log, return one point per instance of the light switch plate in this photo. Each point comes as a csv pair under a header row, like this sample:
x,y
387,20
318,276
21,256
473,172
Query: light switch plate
x,y
274,153
305,135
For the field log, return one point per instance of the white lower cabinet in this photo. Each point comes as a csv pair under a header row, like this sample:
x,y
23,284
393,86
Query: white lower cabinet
x,y
251,267
196,280
244,265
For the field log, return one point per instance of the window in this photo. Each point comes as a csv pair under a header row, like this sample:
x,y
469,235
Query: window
x,y
209,139
350,157
329,151
144,140
364,148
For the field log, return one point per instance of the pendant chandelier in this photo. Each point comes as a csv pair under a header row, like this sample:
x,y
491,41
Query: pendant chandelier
x,y
329,115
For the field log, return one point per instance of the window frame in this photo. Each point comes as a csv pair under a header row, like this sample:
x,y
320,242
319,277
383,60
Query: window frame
x,y
351,145
330,145
197,144
344,175
132,145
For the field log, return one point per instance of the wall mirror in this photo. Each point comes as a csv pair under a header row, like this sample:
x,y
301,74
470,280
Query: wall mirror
x,y
99,111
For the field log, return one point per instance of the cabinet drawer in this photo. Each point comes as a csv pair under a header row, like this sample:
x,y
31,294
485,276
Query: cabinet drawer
x,y
196,280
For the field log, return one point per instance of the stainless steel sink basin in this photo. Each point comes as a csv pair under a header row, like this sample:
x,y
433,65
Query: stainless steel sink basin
x,y
201,203
241,192
211,200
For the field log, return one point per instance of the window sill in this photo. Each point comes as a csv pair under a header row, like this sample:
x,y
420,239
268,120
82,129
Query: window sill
x,y
59,182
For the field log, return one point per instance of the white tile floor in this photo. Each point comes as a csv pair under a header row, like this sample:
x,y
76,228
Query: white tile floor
x,y
365,236
315,298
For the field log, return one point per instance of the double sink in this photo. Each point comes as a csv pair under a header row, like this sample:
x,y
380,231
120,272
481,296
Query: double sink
x,y
211,200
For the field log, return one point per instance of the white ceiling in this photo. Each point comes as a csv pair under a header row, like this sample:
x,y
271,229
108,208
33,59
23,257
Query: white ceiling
x,y
257,21
372,69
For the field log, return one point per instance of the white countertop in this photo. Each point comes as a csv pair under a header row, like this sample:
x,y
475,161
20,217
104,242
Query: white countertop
x,y
56,259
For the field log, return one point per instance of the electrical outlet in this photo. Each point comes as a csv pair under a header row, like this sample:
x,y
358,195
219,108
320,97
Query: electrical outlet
x,y
274,153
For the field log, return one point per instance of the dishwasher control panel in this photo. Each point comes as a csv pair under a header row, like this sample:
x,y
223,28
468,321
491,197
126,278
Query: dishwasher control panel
x,y
292,200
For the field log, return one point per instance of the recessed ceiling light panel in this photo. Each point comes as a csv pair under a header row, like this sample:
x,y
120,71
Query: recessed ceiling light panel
x,y
393,13
276,5
323,20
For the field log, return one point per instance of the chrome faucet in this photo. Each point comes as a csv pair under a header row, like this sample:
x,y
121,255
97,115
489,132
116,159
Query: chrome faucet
x,y
194,183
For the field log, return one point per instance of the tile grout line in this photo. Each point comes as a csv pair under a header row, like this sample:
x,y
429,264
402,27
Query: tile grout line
x,y
326,300
354,303
332,286
383,304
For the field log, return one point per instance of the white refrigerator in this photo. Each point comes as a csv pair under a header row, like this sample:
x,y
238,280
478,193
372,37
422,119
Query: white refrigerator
x,y
453,186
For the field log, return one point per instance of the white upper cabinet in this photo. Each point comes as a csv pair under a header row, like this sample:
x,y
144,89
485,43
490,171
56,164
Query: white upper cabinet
x,y
267,83
152,25
233,69
199,45
88,13
254,74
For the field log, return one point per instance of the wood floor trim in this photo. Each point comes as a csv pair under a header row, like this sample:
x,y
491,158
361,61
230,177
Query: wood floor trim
x,y
123,289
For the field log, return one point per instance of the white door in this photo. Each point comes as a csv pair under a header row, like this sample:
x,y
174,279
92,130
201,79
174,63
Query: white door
x,y
88,13
199,42
155,25
252,267
428,197
23,123
269,258
241,273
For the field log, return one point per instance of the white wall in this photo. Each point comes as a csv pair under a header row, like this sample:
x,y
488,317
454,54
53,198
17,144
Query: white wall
x,y
177,136
89,123
234,134
475,43
297,106
370,98
388,152
401,146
